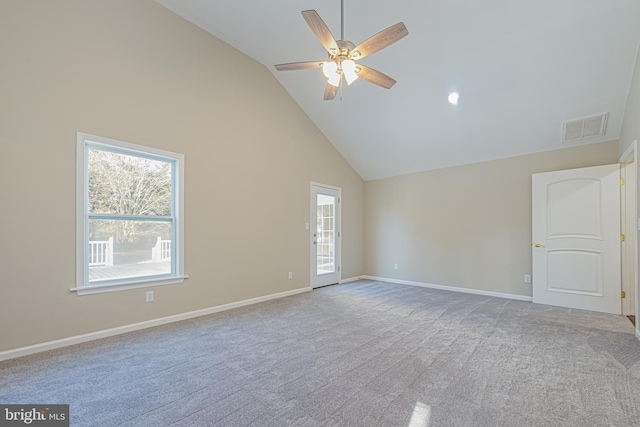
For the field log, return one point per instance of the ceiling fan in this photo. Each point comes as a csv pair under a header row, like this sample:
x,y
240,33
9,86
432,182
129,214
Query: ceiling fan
x,y
343,54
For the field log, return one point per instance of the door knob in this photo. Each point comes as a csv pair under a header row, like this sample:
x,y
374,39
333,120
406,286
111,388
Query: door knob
x,y
538,245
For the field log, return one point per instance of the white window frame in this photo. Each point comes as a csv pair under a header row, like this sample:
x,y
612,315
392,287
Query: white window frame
x,y
84,141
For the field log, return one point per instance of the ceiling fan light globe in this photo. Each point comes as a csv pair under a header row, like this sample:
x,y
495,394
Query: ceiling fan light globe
x,y
350,77
334,80
349,70
348,65
329,69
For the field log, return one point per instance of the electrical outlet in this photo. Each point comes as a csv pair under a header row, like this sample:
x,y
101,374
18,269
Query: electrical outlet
x,y
395,266
527,278
290,275
149,296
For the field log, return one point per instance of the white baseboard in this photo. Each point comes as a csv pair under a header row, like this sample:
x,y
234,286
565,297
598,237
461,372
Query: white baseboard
x,y
450,288
349,280
78,339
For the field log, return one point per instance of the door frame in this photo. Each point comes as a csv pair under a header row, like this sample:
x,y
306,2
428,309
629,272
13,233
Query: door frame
x,y
631,156
338,230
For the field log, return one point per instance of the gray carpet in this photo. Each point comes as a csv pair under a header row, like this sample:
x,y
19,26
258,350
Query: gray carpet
x,y
362,354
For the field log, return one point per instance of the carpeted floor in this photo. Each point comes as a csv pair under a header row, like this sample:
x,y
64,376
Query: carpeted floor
x,y
362,354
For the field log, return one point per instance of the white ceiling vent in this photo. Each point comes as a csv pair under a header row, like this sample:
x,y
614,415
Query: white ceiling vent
x,y
585,127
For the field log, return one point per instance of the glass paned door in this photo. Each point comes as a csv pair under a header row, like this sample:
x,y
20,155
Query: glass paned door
x,y
325,235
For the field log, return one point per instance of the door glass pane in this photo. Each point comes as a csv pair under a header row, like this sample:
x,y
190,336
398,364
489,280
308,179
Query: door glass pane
x,y
325,262
120,249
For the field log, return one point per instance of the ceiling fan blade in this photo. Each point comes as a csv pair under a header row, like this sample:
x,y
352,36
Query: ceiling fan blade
x,y
375,77
330,92
381,40
292,66
320,29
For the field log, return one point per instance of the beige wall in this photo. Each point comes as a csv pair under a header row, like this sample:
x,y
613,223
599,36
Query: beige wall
x,y
631,124
466,226
133,71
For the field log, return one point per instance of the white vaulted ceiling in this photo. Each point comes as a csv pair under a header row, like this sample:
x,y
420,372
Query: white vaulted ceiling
x,y
521,68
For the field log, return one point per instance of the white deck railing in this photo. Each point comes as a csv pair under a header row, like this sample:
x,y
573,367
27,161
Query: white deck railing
x,y
101,252
161,251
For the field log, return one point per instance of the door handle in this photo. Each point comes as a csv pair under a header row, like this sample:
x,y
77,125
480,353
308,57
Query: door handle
x,y
314,242
539,245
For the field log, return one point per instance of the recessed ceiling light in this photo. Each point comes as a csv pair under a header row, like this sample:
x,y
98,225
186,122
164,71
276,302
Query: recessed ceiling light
x,y
453,98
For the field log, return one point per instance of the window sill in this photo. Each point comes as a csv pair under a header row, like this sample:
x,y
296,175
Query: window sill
x,y
134,284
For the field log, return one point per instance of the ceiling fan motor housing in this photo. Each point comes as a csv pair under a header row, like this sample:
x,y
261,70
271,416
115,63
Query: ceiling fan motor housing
x,y
345,51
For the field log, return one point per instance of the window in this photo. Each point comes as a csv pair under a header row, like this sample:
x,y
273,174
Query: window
x,y
129,216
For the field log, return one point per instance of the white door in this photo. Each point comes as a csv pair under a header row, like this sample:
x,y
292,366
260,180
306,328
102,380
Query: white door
x,y
325,235
576,238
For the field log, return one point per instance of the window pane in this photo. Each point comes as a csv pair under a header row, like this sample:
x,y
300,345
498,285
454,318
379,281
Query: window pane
x,y
121,249
128,185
